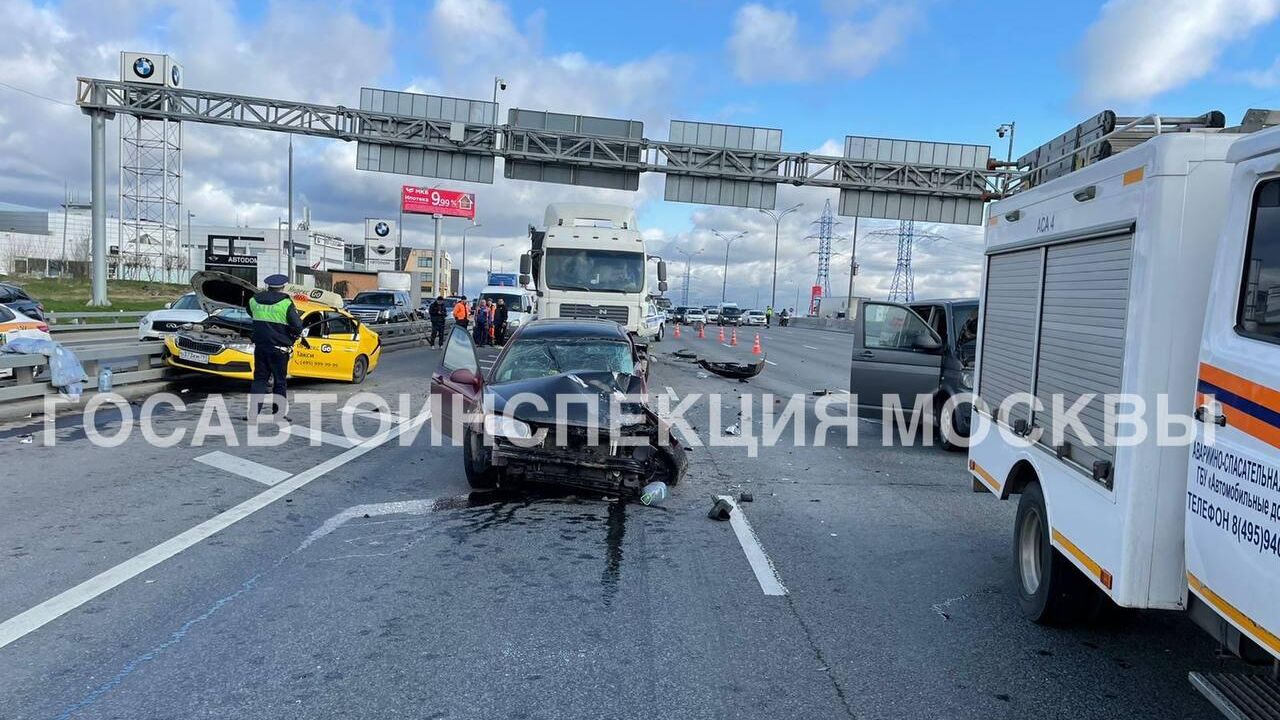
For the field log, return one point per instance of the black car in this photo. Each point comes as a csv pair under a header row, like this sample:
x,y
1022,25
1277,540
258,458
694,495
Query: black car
x,y
382,306
581,372
15,297
730,315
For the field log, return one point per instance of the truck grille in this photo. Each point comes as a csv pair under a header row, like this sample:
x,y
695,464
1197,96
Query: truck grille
x,y
582,311
367,316
208,348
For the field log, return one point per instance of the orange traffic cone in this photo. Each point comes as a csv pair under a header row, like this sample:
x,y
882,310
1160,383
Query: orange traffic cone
x,y
702,331
733,339
755,347
677,331
721,333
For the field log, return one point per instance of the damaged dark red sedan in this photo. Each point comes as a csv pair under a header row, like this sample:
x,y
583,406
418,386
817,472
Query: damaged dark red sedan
x,y
563,404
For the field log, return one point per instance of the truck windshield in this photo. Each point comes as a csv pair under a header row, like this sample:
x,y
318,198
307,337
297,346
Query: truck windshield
x,y
616,271
375,298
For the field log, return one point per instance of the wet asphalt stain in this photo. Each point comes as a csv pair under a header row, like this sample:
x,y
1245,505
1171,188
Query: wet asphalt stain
x,y
615,531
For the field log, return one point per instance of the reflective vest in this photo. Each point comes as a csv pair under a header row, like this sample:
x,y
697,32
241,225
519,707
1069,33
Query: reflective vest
x,y
277,312
460,311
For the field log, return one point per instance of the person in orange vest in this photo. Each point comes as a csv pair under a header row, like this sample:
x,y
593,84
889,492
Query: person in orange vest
x,y
460,312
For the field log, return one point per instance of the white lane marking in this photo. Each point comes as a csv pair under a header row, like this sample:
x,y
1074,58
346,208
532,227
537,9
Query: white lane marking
x,y
255,471
761,565
398,507
63,603
671,393
320,436
809,347
771,362
370,414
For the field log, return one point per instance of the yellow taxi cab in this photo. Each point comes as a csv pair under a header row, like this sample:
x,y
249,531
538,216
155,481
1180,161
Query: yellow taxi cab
x,y
14,324
334,344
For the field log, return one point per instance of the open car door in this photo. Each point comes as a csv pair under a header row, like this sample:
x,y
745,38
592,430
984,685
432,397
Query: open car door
x,y
457,376
895,352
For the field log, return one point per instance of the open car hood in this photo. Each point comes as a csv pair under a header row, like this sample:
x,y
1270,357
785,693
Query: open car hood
x,y
219,290
586,390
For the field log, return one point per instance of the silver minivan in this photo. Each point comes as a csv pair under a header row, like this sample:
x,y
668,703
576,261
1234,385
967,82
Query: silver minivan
x,y
908,349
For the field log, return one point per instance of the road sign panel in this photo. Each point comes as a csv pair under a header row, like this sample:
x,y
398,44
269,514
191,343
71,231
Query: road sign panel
x,y
463,129
891,193
434,201
573,149
716,152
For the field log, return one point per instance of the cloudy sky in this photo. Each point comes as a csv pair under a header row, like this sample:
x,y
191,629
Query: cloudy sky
x,y
922,69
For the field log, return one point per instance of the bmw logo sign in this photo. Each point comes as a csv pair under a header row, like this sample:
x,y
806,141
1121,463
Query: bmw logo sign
x,y
175,76
143,67
382,229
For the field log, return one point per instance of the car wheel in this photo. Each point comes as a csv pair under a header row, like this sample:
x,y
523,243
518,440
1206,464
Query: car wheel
x,y
662,332
959,427
475,462
1051,591
360,370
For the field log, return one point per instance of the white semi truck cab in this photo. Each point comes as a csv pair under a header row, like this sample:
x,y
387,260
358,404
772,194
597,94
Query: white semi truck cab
x,y
589,261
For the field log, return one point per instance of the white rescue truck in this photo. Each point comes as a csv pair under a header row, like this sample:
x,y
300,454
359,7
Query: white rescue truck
x,y
1142,262
589,261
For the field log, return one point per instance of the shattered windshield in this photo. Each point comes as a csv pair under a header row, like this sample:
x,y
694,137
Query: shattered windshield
x,y
540,358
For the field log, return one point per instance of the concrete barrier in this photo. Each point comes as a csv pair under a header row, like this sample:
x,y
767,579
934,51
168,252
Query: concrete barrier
x,y
831,324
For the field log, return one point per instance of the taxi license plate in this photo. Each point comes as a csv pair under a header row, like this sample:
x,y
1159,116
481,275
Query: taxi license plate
x,y
194,357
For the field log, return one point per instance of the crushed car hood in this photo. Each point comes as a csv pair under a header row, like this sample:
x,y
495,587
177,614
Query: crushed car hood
x,y
586,390
218,290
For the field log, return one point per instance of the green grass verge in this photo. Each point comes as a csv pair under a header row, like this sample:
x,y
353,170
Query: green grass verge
x,y
72,296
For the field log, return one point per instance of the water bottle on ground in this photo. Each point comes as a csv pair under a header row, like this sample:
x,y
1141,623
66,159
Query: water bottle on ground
x,y
104,380
653,493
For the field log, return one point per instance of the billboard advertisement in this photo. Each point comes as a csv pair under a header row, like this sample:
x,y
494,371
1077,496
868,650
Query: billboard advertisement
x,y
434,201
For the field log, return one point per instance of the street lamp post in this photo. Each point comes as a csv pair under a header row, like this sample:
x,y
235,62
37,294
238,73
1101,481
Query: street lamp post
x,y
728,240
463,274
495,247
688,260
777,224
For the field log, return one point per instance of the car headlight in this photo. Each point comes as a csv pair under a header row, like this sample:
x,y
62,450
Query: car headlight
x,y
966,379
244,347
507,427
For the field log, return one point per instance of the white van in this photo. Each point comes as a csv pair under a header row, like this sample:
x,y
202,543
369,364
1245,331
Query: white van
x,y
519,303
1149,273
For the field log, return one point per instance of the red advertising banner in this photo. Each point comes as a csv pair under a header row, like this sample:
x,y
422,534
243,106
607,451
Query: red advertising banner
x,y
434,201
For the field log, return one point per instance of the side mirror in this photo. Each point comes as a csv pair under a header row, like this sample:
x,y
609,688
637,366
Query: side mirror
x,y
662,271
526,264
168,305
525,279
466,377
662,286
926,342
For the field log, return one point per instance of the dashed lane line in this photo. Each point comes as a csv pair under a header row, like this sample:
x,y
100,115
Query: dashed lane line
x,y
766,574
255,471
320,437
33,619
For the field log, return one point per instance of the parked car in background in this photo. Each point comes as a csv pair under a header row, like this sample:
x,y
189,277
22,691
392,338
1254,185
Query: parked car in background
x,y
729,314
693,316
15,298
159,324
677,314
15,324
382,306
713,313
754,317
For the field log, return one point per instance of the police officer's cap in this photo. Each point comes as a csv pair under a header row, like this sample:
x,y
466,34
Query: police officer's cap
x,y
276,281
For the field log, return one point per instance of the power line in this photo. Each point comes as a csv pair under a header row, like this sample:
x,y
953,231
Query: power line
x,y
46,98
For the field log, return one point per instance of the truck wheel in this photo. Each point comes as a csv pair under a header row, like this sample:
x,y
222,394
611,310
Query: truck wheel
x,y
1051,591
475,462
360,370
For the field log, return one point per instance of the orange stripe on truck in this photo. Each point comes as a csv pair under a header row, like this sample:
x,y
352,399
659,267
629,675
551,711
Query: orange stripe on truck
x,y
1229,611
1244,387
985,477
1094,568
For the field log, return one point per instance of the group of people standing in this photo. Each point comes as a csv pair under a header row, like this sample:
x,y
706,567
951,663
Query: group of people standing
x,y
486,318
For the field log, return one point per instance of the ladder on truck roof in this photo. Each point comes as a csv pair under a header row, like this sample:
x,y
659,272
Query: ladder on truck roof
x,y
1098,138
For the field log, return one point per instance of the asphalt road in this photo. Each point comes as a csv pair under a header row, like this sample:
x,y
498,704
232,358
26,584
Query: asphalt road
x,y
319,580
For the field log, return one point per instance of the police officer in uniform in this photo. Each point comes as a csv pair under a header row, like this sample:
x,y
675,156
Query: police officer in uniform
x,y
276,326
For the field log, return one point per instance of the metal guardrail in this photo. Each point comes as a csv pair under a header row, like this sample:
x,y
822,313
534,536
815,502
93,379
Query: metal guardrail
x,y
145,361
60,323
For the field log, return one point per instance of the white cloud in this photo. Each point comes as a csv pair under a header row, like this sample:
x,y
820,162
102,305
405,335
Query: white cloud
x,y
766,44
1137,49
